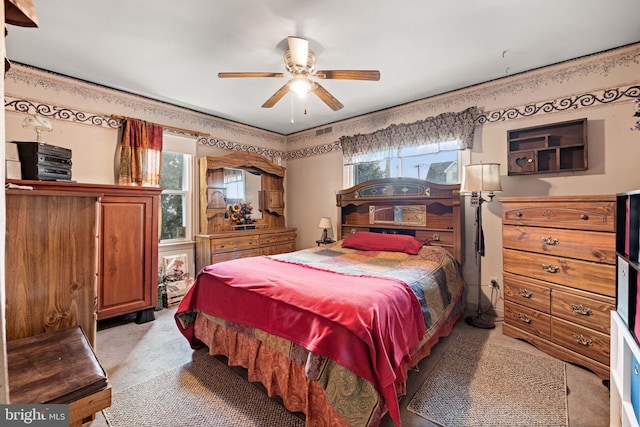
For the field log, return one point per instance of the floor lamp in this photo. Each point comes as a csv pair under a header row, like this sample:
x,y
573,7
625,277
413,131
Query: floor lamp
x,y
479,178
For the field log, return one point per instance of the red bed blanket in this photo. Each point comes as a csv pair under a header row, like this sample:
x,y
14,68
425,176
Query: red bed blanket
x,y
367,324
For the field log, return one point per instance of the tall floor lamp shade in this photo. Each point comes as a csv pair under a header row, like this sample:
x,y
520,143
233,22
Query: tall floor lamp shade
x,y
479,178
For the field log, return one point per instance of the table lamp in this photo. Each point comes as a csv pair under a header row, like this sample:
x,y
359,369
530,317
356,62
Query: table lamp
x,y
325,223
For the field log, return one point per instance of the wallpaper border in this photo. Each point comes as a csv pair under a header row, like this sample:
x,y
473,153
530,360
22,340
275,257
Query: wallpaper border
x,y
592,99
583,100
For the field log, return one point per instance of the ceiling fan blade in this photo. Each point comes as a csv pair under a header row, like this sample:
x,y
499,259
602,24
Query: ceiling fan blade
x,y
349,74
276,97
299,49
251,74
326,97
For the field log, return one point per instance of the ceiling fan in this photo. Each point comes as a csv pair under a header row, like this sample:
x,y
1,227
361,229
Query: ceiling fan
x,y
300,63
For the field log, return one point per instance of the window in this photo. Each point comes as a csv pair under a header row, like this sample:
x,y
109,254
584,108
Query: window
x,y
175,198
422,162
176,179
234,183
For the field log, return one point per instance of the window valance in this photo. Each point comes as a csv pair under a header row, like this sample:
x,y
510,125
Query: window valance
x,y
447,131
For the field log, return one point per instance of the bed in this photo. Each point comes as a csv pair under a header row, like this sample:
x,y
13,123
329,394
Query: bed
x,y
334,329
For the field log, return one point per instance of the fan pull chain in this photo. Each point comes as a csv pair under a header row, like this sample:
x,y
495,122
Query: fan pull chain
x,y
291,108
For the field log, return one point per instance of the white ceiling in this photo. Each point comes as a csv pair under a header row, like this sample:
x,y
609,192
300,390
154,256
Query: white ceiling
x,y
172,51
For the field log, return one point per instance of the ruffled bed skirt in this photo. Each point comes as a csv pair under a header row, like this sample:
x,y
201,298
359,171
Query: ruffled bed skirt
x,y
269,360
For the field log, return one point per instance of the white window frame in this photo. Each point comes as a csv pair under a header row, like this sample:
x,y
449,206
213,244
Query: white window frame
x,y
180,144
348,176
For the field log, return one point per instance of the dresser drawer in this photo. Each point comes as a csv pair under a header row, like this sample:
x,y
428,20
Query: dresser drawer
x,y
581,340
271,239
522,291
233,244
596,215
529,320
227,256
277,249
587,245
582,310
588,276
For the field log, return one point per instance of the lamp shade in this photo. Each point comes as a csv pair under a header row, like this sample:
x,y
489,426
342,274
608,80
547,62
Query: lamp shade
x,y
21,13
481,177
325,222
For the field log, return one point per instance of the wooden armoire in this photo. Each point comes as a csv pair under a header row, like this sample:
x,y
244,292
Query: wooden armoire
x,y
127,245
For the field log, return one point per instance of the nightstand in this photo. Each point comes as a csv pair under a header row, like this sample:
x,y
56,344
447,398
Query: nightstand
x,y
324,242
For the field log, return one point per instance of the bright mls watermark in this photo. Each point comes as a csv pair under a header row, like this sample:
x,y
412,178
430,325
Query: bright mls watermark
x,y
34,415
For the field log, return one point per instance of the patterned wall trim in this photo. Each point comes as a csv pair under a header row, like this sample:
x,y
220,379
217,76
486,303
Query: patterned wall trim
x,y
606,96
234,146
135,105
313,151
59,113
584,100
600,64
597,64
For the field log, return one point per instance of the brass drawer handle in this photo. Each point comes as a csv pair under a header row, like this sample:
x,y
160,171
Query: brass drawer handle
x,y
582,340
550,241
518,214
584,216
550,268
581,309
525,319
525,293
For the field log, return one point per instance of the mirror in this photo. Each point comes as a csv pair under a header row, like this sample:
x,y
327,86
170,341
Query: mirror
x,y
242,186
398,215
255,179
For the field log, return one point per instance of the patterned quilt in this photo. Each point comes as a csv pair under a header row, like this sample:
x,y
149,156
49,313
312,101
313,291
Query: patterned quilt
x,y
433,276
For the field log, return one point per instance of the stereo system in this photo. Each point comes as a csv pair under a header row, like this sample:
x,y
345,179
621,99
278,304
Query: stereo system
x,y
44,162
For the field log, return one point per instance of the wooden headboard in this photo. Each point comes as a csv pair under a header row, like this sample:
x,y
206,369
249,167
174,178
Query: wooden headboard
x,y
426,210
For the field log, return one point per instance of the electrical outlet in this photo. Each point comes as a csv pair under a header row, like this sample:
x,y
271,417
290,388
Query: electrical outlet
x,y
494,282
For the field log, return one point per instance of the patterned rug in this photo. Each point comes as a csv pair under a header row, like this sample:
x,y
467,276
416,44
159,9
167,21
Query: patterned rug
x,y
485,384
204,392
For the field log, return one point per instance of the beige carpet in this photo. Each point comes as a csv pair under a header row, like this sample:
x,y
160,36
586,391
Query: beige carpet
x,y
483,384
204,392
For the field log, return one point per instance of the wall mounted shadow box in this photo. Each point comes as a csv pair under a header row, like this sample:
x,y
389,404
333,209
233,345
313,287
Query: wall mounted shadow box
x,y
551,148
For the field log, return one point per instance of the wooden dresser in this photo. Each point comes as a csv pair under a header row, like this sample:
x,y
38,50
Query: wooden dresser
x,y
51,267
219,240
559,275
225,246
127,245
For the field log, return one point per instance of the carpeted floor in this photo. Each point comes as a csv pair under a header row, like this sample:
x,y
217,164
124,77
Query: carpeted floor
x,y
479,384
203,393
134,354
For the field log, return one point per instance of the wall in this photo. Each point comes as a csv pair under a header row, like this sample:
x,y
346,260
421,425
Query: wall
x,y
81,118
599,87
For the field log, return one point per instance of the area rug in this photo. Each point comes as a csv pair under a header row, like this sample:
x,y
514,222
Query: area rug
x,y
204,392
486,384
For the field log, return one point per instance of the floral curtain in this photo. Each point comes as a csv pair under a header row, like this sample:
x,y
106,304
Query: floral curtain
x,y
441,131
141,153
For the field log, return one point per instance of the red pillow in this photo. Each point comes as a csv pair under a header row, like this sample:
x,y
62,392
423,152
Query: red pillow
x,y
367,241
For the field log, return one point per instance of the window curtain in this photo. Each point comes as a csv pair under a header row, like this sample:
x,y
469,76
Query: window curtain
x,y
141,153
447,131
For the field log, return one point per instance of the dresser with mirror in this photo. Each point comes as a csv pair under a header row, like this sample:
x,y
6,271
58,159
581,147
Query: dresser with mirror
x,y
234,180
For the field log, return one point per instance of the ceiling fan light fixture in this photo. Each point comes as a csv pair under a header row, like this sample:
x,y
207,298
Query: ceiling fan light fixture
x,y
300,62
298,48
300,86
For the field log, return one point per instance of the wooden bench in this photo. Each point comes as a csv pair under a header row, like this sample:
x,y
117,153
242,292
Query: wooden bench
x,y
58,367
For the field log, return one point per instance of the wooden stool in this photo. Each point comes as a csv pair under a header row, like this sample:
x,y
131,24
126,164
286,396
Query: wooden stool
x,y
58,367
